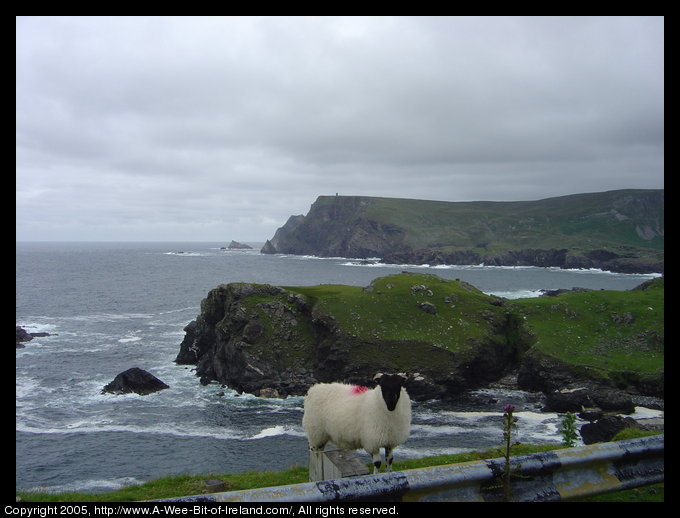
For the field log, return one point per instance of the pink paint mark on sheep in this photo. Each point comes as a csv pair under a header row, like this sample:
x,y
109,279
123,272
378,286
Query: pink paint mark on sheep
x,y
357,389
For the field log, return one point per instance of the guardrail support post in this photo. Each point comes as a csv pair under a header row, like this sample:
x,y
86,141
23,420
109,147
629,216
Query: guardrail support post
x,y
334,464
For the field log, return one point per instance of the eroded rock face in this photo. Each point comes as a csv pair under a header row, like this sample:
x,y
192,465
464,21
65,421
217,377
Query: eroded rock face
x,y
251,337
256,337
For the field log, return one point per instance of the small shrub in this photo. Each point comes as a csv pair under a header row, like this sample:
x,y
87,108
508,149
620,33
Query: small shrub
x,y
568,431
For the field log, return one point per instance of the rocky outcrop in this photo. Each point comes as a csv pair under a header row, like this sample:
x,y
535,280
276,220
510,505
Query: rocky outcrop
x,y
22,336
556,258
134,380
241,338
447,336
235,245
335,227
264,339
25,336
590,397
540,372
606,428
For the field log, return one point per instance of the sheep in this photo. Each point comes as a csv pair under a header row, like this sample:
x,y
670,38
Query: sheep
x,y
354,417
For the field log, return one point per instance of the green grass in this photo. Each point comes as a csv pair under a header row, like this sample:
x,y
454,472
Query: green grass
x,y
615,334
389,310
609,331
584,221
186,485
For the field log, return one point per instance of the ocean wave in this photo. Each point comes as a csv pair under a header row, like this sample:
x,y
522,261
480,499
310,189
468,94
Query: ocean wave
x,y
333,258
421,431
646,413
102,426
128,339
405,452
180,310
608,272
274,431
37,325
181,253
516,294
88,486
375,263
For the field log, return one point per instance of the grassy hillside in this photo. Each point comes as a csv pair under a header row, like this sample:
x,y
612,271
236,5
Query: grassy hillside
x,y
389,309
614,218
253,337
616,335
424,323
613,334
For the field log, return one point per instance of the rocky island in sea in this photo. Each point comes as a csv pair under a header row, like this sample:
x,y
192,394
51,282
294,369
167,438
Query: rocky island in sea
x,y
235,245
619,231
446,335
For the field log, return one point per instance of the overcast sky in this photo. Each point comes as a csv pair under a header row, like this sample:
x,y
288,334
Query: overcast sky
x,y
215,129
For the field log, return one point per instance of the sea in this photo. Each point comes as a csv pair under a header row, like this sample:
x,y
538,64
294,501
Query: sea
x,y
111,306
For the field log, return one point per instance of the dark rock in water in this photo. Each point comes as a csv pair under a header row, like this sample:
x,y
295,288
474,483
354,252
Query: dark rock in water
x,y
604,429
235,245
268,393
577,399
591,414
25,336
135,380
568,400
422,388
22,336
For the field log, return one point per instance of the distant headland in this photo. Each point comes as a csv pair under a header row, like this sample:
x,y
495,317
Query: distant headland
x,y
619,231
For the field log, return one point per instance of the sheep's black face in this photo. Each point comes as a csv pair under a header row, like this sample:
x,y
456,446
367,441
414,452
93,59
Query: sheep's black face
x,y
390,385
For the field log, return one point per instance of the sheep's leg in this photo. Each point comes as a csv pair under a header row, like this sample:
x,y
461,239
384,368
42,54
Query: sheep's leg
x,y
376,461
388,458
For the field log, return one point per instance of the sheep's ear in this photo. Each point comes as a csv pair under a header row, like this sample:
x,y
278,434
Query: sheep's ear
x,y
377,377
403,375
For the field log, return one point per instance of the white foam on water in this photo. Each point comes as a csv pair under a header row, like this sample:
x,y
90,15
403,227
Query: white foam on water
x,y
89,486
93,425
274,431
646,413
516,294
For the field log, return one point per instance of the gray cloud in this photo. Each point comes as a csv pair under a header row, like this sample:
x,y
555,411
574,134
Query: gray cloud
x,y
220,128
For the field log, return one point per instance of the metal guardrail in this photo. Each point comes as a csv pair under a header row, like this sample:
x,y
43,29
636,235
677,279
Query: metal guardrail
x,y
548,476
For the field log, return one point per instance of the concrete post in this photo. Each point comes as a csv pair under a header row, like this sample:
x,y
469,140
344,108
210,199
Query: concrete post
x,y
334,464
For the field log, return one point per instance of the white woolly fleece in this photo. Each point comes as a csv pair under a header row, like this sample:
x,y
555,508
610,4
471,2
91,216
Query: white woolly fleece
x,y
352,418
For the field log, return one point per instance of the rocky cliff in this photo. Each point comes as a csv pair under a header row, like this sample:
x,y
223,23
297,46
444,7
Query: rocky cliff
x,y
446,335
336,227
620,231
